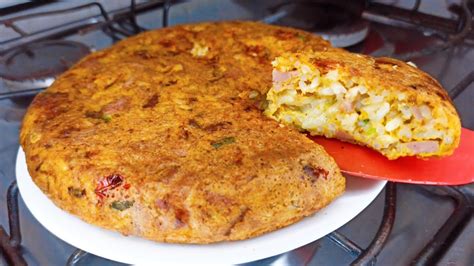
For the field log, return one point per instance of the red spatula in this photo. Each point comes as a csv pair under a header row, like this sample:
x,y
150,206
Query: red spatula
x,y
457,169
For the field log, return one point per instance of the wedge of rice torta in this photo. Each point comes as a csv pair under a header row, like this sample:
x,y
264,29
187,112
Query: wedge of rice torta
x,y
162,136
388,105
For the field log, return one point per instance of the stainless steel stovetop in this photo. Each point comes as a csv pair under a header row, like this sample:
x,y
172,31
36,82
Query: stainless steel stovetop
x,y
406,224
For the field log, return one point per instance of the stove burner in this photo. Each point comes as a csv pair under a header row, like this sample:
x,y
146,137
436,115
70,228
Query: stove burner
x,y
37,64
336,21
346,34
374,44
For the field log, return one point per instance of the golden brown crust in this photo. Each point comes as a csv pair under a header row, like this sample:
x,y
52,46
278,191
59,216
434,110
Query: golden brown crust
x,y
387,72
161,136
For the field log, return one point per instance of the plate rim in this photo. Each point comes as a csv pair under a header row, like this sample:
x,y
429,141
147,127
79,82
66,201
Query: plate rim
x,y
254,249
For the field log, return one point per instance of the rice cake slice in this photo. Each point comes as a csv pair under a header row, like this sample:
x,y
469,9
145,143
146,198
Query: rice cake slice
x,y
388,105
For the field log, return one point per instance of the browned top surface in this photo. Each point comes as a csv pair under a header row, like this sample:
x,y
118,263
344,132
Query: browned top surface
x,y
148,139
384,72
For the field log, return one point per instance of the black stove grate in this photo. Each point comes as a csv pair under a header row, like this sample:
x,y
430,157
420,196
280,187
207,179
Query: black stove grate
x,y
451,229
453,32
120,25
125,24
11,243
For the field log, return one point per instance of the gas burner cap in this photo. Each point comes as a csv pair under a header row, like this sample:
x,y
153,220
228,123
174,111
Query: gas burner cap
x,y
346,34
37,64
338,21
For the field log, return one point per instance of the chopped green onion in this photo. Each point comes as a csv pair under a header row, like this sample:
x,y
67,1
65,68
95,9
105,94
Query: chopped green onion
x,y
221,142
363,123
106,118
122,205
254,94
263,104
76,192
99,115
371,131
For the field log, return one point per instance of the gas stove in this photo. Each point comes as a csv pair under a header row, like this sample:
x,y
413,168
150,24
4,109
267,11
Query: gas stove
x,y
406,224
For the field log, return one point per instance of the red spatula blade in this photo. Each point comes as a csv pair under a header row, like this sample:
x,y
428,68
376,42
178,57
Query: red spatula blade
x,y
457,169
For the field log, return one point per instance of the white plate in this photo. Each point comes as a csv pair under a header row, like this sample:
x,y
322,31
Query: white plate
x,y
132,250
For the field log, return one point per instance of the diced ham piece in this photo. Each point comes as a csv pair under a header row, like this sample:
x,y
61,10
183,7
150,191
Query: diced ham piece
x,y
343,135
347,106
280,77
116,106
276,86
417,113
423,146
